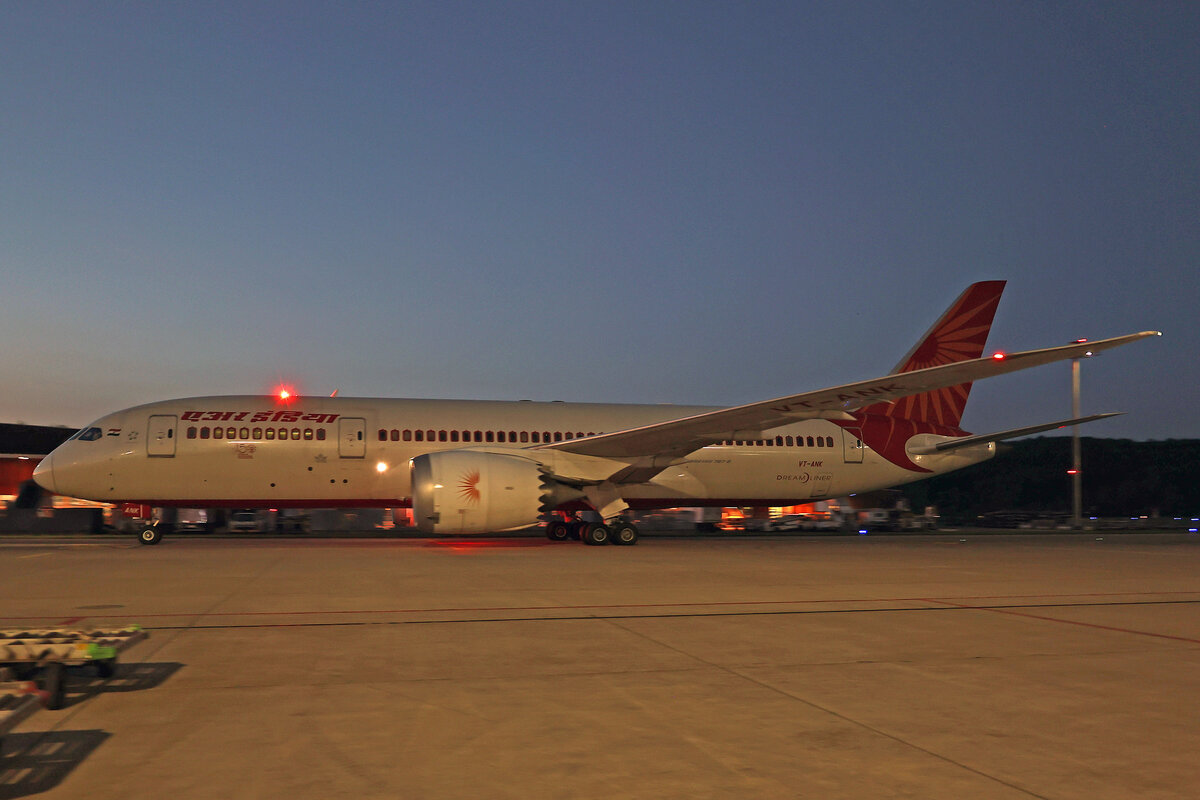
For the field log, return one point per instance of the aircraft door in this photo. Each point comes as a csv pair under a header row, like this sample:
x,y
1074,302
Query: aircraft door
x,y
852,446
160,436
352,437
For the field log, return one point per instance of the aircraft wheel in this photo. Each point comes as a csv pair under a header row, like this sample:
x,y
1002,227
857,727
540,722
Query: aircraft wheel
x,y
624,533
558,531
151,534
575,530
594,533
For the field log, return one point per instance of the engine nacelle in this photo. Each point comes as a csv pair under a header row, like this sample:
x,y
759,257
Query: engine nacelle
x,y
463,491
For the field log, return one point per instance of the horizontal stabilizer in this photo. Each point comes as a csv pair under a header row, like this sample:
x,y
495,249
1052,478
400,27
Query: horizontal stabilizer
x,y
967,441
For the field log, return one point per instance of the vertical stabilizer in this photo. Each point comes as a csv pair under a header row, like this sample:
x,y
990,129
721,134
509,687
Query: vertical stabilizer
x,y
960,334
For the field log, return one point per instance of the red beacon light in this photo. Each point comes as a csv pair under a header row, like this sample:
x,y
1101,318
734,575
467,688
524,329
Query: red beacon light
x,y
998,356
285,395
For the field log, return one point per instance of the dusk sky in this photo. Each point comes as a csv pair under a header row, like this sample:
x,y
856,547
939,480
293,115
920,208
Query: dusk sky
x,y
687,202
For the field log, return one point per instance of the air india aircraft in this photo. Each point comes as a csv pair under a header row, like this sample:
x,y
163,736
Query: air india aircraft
x,y
467,466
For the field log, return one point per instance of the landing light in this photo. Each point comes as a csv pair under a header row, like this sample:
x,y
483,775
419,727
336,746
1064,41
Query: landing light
x,y
381,467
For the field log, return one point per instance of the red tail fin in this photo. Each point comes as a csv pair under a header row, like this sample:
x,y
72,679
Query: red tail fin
x,y
959,335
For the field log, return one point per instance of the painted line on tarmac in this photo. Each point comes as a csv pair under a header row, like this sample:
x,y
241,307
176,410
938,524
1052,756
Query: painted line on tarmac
x,y
682,615
1012,611
940,601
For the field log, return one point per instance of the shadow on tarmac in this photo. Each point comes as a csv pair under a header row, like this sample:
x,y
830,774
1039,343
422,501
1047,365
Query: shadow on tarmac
x,y
83,684
37,762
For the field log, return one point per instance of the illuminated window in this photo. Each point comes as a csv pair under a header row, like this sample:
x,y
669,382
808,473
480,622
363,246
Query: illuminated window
x,y
191,434
308,434
270,434
296,433
231,433
218,433
244,433
320,434
406,435
382,435
257,433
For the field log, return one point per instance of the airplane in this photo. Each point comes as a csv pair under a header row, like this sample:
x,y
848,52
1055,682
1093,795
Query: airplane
x,y
477,466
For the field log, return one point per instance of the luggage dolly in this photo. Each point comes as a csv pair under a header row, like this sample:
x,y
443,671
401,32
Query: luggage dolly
x,y
18,699
44,655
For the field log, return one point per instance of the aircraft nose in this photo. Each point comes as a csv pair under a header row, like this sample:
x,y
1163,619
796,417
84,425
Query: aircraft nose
x,y
43,473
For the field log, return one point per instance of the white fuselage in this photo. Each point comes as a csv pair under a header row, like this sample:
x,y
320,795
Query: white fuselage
x,y
246,451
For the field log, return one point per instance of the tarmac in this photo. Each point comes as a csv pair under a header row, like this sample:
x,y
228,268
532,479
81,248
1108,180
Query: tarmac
x,y
923,666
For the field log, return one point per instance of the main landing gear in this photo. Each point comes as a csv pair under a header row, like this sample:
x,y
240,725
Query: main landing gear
x,y
594,533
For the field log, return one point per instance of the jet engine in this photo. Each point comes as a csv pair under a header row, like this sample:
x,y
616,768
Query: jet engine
x,y
465,491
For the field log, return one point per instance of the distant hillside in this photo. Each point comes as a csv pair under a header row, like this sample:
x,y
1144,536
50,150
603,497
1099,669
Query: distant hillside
x,y
1120,478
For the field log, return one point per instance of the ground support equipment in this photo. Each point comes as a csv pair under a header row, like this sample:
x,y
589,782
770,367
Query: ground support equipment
x,y
44,655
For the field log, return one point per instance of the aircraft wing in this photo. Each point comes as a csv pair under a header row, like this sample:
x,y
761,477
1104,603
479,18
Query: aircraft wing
x,y
667,440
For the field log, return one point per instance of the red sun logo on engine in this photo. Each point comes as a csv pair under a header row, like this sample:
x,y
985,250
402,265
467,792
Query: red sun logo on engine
x,y
468,487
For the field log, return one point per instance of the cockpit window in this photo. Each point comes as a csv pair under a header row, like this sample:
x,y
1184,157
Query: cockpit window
x,y
88,434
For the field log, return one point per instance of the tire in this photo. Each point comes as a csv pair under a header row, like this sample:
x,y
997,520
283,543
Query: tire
x,y
575,530
624,533
557,531
151,534
595,533
54,684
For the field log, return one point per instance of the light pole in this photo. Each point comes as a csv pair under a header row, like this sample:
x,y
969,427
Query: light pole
x,y
1076,458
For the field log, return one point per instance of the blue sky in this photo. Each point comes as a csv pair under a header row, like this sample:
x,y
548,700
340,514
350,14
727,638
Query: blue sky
x,y
688,202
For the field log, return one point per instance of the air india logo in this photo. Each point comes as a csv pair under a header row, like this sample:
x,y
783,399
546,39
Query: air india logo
x,y
468,487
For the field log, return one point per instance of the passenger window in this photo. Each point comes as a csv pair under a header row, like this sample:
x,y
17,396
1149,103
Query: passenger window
x,y
296,434
308,434
524,436
191,434
407,435
231,433
810,442
320,434
270,434
441,436
535,437
829,441
512,436
395,434
218,433
204,432
244,433
420,436
500,436
454,436
558,436
490,436
382,435
258,433
429,436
